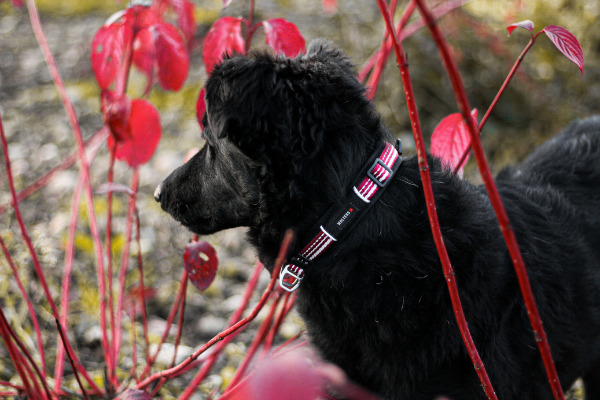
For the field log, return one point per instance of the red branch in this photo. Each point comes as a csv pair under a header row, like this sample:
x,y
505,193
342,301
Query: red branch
x,y
92,144
431,209
70,110
511,74
488,180
207,366
265,296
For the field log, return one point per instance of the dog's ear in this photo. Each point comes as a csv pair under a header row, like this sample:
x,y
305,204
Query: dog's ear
x,y
325,51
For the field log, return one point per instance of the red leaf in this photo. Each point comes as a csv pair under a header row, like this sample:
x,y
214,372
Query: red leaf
x,y
171,56
566,43
451,138
185,18
201,107
144,130
144,55
284,37
141,17
201,263
291,376
116,111
329,6
527,24
224,37
133,394
107,50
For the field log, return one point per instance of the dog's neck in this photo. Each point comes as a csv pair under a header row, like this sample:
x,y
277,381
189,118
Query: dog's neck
x,y
340,218
302,215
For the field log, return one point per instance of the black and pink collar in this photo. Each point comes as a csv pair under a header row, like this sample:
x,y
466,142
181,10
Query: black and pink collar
x,y
338,220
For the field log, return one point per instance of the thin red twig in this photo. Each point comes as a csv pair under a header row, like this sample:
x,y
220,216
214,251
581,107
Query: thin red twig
x,y
92,144
287,305
112,376
265,296
33,314
431,208
259,337
177,340
488,180
176,306
66,283
492,106
378,60
70,110
68,269
140,264
125,259
208,364
5,329
62,338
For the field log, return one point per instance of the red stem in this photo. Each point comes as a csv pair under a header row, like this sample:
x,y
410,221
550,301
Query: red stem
x,y
125,260
488,180
251,28
286,307
169,322
141,274
62,337
402,32
177,341
27,355
34,319
265,296
18,362
431,208
133,346
70,110
67,273
207,366
92,144
259,337
495,101
109,266
66,282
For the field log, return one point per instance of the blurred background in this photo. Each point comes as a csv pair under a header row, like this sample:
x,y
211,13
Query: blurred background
x,y
546,94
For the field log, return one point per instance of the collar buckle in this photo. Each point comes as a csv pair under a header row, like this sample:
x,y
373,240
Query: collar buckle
x,y
290,277
378,181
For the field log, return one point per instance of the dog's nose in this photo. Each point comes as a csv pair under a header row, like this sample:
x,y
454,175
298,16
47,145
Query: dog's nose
x,y
157,192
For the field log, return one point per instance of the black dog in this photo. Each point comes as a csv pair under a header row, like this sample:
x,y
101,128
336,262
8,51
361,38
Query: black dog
x,y
286,140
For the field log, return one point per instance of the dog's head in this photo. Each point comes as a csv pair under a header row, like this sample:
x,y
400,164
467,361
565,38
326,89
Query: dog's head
x,y
278,132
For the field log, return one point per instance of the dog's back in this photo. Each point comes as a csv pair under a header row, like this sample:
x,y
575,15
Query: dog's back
x,y
568,163
562,177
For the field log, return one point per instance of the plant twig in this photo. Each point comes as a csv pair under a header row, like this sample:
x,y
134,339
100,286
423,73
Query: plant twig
x,y
431,208
62,338
208,364
125,260
92,144
70,110
492,106
488,180
240,324
33,314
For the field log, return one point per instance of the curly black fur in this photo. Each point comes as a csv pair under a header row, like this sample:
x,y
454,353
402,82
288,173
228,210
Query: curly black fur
x,y
285,138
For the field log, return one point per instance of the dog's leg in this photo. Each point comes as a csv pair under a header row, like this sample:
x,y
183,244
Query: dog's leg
x,y
591,382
